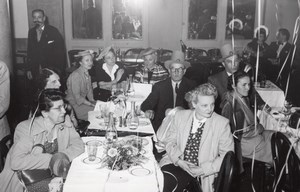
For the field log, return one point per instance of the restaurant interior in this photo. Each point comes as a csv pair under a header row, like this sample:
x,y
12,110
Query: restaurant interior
x,y
200,30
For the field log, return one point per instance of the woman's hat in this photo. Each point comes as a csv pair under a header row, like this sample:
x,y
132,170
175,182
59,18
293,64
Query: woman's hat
x,y
104,52
177,57
148,51
84,53
227,51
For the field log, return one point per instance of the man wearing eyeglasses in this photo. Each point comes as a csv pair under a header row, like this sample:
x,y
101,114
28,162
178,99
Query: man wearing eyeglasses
x,y
170,92
231,64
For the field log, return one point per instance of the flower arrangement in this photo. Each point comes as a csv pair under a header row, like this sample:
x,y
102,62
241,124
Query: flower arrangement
x,y
122,155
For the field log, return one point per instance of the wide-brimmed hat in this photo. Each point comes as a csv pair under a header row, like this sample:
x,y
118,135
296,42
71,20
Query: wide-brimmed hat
x,y
227,51
177,57
84,53
104,52
148,51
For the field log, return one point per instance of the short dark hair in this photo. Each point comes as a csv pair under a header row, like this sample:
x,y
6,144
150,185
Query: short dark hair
x,y
43,77
284,32
236,77
38,10
46,99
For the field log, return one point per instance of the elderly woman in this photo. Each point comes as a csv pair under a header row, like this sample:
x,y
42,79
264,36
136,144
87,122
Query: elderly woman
x,y
151,72
38,139
242,121
106,75
79,86
196,142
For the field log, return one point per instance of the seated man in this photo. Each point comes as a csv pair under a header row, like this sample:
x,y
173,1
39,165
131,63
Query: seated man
x,y
197,142
151,72
169,93
277,54
220,80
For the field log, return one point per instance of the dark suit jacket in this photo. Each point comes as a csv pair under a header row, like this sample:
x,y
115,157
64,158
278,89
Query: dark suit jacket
x,y
220,81
161,98
272,53
48,52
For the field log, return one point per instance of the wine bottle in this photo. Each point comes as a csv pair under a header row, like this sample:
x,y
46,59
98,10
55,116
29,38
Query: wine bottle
x,y
111,134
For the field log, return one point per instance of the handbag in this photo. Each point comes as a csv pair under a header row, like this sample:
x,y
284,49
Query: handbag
x,y
35,180
194,185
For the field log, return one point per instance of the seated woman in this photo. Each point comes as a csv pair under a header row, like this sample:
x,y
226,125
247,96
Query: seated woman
x,y
196,142
242,121
106,75
258,43
48,79
50,130
79,86
151,72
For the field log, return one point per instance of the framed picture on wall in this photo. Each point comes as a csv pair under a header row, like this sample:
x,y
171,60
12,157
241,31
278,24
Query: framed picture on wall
x,y
127,19
87,19
202,19
240,24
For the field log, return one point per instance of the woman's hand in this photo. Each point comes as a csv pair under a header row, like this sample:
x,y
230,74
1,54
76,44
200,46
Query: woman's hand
x,y
149,114
185,165
119,74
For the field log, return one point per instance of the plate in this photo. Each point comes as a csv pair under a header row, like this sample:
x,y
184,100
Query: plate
x,y
87,161
139,172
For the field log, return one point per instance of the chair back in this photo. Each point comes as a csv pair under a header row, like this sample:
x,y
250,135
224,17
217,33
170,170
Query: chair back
x,y
226,174
71,55
289,181
3,150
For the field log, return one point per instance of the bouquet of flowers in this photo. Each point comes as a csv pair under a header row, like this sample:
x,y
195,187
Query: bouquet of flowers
x,y
122,155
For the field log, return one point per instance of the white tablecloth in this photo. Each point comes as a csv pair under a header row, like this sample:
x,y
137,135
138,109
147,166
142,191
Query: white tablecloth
x,y
271,94
90,178
274,121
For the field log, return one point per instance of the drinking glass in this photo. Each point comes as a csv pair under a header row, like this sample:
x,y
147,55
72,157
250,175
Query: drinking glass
x,y
133,123
92,148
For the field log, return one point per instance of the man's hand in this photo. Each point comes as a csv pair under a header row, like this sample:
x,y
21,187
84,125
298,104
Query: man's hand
x,y
149,114
29,75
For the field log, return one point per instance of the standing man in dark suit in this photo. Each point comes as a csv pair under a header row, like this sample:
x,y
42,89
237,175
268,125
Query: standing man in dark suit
x,y
231,63
277,54
46,46
170,92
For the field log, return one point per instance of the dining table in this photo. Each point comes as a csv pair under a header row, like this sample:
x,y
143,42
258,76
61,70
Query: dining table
x,y
276,120
270,93
93,177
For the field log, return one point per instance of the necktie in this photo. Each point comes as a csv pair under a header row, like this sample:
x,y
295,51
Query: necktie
x,y
176,88
39,34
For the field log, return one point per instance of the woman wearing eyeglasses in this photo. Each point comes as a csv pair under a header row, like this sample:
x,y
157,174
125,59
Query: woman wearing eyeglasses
x,y
39,139
237,109
106,75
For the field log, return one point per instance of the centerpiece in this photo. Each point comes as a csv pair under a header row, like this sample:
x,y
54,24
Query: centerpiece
x,y
121,155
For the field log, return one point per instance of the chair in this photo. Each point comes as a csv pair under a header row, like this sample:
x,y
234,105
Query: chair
x,y
227,173
3,150
289,181
132,59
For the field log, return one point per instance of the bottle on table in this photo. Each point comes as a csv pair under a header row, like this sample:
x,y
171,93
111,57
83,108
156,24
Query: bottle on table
x,y
132,118
111,134
130,90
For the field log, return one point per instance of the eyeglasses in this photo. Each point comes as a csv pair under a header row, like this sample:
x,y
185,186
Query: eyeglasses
x,y
60,108
179,70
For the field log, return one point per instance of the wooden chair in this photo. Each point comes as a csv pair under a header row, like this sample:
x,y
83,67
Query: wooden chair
x,y
289,180
227,173
4,150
